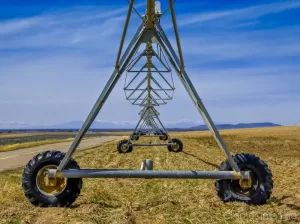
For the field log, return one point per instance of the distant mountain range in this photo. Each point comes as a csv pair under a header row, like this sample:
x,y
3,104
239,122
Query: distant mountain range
x,y
14,125
237,126
123,125
98,124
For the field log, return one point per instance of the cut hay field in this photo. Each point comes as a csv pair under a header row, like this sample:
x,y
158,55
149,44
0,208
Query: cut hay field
x,y
170,201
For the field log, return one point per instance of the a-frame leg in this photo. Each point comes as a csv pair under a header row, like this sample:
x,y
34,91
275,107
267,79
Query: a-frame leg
x,y
166,46
126,58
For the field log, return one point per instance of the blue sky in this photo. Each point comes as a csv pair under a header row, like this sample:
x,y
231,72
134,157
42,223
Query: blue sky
x,y
242,56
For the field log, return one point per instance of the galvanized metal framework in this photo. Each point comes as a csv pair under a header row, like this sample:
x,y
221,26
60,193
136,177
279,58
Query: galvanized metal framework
x,y
149,125
149,33
149,85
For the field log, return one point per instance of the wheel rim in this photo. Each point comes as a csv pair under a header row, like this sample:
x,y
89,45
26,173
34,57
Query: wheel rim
x,y
124,147
246,192
175,147
50,186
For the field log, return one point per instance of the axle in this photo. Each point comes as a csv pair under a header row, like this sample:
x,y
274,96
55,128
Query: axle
x,y
117,173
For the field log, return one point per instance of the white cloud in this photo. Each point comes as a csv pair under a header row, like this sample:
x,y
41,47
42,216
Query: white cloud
x,y
54,66
61,19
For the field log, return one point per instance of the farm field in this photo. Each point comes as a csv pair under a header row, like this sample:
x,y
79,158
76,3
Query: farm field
x,y
170,201
14,141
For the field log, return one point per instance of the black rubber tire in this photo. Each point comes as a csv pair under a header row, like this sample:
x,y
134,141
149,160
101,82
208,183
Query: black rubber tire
x,y
30,188
122,142
164,137
229,190
180,144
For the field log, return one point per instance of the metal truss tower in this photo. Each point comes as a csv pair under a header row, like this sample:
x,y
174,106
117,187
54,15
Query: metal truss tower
x,y
53,178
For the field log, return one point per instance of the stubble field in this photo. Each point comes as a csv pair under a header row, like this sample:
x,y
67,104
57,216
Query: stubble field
x,y
171,201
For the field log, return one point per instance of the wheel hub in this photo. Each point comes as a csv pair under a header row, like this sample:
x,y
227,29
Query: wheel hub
x,y
125,147
246,186
175,146
245,183
50,185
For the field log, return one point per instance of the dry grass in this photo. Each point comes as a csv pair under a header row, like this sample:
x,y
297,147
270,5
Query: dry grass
x,y
171,201
5,148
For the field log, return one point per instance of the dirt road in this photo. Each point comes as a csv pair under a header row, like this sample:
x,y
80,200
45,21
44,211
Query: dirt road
x,y
18,158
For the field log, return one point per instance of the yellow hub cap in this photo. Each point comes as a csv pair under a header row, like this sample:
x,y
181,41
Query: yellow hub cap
x,y
50,185
245,184
175,146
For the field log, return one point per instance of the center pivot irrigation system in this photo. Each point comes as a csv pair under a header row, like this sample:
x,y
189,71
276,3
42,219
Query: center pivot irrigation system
x,y
53,178
149,83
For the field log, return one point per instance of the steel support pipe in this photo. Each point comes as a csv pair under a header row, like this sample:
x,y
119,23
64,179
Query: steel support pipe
x,y
177,174
158,144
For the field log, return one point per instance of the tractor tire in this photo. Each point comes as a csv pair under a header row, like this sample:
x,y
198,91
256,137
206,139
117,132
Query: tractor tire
x,y
123,146
175,148
261,181
61,193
